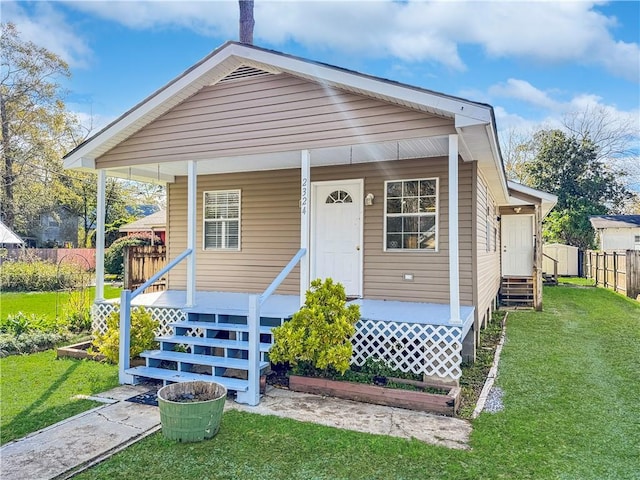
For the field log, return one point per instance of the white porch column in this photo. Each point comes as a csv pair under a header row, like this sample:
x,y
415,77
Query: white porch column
x,y
100,220
305,216
454,240
192,188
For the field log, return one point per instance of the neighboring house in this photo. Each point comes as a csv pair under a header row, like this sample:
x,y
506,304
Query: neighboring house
x,y
397,192
617,232
156,223
59,228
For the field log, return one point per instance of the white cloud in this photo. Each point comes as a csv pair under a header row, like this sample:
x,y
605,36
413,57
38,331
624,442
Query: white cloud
x,y
46,26
413,31
523,90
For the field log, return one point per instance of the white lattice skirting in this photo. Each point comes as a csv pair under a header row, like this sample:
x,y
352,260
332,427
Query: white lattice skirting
x,y
434,350
163,315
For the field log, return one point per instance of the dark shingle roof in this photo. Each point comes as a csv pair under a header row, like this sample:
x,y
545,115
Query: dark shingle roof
x,y
615,221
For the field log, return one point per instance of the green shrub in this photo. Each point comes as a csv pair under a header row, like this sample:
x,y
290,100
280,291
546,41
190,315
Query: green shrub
x,y
35,275
78,311
31,342
320,332
19,324
143,328
114,256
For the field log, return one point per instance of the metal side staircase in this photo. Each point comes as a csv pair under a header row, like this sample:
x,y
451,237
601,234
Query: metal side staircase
x,y
212,347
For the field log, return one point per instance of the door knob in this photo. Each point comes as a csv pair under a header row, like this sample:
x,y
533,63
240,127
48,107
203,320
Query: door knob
x,y
358,247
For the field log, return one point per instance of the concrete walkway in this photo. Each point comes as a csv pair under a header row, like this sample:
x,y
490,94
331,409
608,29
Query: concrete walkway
x,y
59,451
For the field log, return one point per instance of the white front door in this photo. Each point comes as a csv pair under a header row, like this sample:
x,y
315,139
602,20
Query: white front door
x,y
517,245
336,233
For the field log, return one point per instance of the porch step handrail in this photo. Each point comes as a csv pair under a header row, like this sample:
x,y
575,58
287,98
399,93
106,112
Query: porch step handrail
x,y
555,266
125,316
282,275
252,395
161,273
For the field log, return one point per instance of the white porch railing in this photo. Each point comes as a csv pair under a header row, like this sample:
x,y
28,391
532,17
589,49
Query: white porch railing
x,y
126,296
252,396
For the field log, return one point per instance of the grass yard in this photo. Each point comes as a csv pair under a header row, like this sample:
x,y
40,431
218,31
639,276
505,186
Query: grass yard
x,y
47,304
572,411
37,390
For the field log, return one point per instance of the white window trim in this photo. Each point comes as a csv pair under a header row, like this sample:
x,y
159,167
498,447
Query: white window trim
x,y
436,214
204,221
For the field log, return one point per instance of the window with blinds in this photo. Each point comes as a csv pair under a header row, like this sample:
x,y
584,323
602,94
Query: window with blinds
x,y
222,220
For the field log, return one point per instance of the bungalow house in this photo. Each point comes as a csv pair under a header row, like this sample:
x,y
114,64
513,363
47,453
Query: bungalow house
x,y
617,232
280,170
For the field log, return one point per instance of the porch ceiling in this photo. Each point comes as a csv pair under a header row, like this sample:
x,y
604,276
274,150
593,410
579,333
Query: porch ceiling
x,y
401,149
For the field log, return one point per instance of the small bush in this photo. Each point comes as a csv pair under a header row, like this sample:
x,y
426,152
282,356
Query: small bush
x,y
19,324
31,342
114,256
143,328
78,311
35,275
320,332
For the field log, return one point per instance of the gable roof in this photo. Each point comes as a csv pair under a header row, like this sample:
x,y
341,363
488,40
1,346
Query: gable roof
x,y
615,221
7,236
522,194
475,122
155,221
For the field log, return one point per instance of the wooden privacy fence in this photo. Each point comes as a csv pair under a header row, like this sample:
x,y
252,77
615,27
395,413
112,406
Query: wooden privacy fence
x,y
141,263
618,270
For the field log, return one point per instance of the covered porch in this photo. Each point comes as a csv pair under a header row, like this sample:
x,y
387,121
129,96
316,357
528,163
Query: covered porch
x,y
271,131
410,336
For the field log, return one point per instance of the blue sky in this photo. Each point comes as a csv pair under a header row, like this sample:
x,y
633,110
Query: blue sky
x,y
535,62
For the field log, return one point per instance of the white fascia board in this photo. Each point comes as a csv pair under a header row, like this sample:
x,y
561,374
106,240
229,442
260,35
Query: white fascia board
x,y
366,83
79,162
163,95
495,148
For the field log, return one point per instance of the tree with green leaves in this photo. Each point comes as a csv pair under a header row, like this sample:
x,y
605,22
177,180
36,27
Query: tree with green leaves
x,y
569,167
36,128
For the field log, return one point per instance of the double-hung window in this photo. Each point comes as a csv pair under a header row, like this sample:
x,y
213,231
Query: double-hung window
x,y
222,220
411,214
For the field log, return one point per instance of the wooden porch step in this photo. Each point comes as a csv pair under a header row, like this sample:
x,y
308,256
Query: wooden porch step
x,y
212,342
174,376
227,327
198,359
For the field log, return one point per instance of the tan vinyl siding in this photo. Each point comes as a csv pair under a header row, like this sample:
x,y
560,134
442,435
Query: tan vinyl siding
x,y
270,232
269,114
270,236
488,263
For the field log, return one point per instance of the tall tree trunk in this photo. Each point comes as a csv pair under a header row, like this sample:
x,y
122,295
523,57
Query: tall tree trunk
x,y
246,21
8,177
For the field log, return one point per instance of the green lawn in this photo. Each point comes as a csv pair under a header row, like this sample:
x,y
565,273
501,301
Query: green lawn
x,y
37,390
572,411
43,303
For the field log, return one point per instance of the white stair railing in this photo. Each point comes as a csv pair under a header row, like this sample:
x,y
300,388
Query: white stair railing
x,y
252,396
126,296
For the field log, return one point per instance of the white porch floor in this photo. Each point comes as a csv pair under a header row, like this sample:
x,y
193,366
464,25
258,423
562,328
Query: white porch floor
x,y
283,306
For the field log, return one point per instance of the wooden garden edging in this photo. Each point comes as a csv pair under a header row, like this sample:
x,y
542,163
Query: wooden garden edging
x,y
446,404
